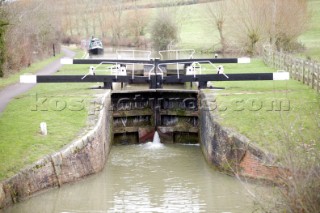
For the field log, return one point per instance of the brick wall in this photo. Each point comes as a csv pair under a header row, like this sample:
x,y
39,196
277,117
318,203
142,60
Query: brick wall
x,y
251,166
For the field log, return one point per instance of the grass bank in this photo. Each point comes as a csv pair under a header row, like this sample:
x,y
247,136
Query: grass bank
x,y
63,106
12,79
269,112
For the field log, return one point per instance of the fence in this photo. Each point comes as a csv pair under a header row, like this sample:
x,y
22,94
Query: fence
x,y
305,71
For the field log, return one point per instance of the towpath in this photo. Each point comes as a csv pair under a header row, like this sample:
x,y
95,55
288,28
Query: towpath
x,y
8,93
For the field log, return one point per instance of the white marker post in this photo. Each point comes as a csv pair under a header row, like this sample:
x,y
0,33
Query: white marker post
x,y
43,128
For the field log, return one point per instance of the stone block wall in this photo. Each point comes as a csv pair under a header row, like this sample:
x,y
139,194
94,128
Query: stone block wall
x,y
230,151
81,158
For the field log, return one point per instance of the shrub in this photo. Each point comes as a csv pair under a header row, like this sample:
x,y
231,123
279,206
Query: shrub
x,y
300,177
164,30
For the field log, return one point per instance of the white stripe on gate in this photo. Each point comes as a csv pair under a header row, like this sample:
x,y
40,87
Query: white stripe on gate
x,y
66,61
244,60
281,76
28,79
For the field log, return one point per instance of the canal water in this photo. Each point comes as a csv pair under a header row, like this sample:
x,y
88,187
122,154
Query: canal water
x,y
147,178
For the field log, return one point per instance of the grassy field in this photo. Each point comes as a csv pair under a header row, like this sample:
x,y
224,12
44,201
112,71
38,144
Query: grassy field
x,y
196,31
21,142
311,37
253,109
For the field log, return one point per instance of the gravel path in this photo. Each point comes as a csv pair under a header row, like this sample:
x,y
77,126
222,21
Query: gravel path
x,y
8,93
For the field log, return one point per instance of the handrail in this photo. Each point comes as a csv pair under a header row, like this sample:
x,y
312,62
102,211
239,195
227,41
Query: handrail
x,y
177,51
152,69
178,74
92,69
133,57
133,51
194,68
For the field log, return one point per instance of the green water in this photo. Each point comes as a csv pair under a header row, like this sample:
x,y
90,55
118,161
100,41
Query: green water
x,y
145,178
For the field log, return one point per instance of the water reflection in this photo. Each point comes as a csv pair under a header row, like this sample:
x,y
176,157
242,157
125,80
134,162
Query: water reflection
x,y
137,178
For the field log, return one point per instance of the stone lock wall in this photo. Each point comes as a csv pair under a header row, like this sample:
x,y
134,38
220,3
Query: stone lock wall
x,y
230,151
82,157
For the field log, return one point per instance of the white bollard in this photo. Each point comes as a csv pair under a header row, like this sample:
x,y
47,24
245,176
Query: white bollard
x,y
220,69
43,128
91,70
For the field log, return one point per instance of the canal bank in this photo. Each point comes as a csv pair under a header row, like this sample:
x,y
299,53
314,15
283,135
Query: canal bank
x,y
84,156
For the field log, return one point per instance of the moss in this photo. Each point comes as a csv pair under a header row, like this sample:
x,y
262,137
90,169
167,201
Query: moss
x,y
38,166
76,150
180,112
13,192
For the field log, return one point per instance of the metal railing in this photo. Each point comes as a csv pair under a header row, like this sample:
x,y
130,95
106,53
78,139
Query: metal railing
x,y
177,53
133,54
116,68
193,67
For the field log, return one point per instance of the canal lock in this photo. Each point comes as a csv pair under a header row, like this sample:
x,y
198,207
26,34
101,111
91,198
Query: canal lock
x,y
138,114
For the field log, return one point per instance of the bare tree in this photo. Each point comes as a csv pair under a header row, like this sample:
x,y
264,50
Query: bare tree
x,y
103,20
34,29
247,23
136,23
256,22
217,13
84,15
288,21
116,16
3,28
67,13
